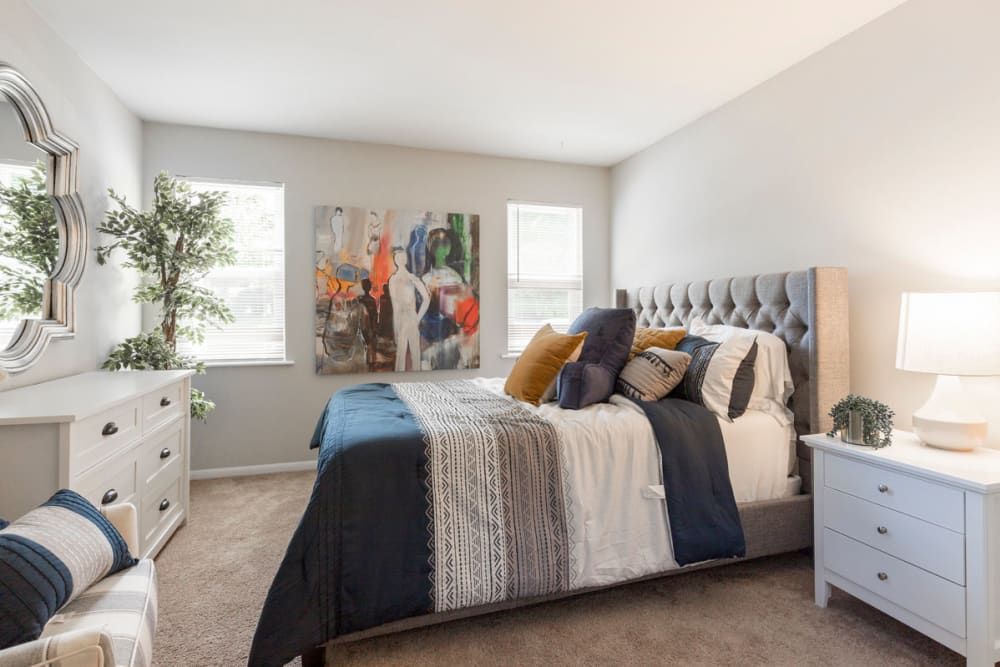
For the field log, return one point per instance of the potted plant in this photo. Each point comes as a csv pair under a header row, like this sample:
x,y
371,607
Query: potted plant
x,y
173,247
862,421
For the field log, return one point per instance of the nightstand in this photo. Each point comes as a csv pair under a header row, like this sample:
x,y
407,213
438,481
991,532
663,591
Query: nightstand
x,y
915,532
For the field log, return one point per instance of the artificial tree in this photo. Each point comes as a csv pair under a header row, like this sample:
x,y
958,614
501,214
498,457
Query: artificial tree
x,y
29,242
173,247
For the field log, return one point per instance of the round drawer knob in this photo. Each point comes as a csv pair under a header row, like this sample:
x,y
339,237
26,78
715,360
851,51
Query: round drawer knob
x,y
165,453
164,504
109,497
882,530
882,488
882,576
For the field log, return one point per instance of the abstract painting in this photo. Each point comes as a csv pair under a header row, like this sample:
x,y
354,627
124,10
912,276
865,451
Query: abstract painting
x,y
396,290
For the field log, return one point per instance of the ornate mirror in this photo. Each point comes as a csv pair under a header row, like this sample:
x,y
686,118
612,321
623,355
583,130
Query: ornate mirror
x,y
43,233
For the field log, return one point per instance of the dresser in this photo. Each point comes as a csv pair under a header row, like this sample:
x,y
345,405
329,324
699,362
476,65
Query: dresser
x,y
915,532
113,437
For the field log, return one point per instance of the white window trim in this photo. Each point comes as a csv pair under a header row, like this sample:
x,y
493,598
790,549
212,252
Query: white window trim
x,y
237,362
509,354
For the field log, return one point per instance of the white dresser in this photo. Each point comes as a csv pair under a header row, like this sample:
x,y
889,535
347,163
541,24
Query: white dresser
x,y
112,437
915,532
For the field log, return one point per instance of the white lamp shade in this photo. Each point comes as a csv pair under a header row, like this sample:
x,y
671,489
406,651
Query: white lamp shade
x,y
949,333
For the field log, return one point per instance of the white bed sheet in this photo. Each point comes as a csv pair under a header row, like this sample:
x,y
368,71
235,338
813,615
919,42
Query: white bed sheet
x,y
618,524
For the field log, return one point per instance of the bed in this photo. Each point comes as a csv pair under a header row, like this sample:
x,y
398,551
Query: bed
x,y
437,501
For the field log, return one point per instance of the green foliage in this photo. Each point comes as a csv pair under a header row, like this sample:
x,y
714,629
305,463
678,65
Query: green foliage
x,y
173,246
876,418
29,243
148,352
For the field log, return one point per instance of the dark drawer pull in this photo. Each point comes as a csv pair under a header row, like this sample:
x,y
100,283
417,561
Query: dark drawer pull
x,y
165,453
882,576
109,497
882,530
109,429
164,402
164,504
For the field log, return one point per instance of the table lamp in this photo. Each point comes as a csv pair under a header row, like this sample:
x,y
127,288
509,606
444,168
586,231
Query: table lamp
x,y
950,334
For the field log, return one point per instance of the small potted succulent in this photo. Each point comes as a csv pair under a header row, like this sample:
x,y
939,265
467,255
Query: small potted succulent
x,y
862,421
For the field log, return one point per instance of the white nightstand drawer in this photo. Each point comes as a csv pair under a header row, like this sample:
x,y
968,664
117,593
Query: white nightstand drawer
x,y
923,544
932,502
935,599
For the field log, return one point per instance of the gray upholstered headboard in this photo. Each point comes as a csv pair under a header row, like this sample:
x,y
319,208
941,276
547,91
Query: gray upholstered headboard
x,y
807,309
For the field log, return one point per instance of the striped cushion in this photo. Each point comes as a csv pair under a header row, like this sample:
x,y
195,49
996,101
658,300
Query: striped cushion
x,y
50,556
70,649
652,374
124,605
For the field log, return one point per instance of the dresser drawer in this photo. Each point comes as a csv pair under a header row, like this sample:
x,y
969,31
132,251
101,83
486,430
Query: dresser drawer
x,y
161,406
918,542
935,599
925,500
115,482
159,510
158,452
95,438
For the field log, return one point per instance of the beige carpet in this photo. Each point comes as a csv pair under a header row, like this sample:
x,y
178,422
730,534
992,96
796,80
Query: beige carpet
x,y
215,572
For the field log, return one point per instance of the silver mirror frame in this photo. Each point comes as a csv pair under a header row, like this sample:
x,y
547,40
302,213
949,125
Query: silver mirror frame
x,y
58,319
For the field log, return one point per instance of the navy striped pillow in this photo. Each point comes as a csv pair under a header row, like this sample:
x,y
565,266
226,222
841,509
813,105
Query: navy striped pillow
x,y
48,557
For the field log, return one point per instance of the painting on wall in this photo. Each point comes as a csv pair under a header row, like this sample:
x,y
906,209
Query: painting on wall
x,y
396,290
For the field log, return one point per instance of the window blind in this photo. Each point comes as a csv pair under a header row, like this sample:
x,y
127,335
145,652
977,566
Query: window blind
x,y
254,287
544,269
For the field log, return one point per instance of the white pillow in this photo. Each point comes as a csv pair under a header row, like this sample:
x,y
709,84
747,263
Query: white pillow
x,y
773,384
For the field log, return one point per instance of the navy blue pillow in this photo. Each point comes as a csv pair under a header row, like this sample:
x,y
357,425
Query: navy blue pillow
x,y
48,557
591,379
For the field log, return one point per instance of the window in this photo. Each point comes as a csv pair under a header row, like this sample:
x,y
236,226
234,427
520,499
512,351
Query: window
x,y
254,287
10,173
544,269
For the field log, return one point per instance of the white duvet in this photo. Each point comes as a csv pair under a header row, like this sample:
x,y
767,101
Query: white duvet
x,y
617,515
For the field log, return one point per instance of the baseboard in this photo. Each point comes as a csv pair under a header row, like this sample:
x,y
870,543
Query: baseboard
x,y
243,471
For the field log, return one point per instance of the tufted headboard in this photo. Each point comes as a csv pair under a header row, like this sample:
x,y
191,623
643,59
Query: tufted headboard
x,y
807,309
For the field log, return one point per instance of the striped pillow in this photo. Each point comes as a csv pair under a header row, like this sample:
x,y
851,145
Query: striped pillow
x,y
48,557
721,375
653,373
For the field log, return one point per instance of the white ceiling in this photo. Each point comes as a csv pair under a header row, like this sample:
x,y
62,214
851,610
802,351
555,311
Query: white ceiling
x,y
568,80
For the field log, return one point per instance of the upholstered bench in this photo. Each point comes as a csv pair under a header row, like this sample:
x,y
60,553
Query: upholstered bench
x,y
112,623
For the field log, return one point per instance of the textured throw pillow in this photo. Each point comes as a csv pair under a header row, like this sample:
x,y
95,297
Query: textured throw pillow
x,y
773,384
720,376
653,374
48,557
646,338
539,364
609,339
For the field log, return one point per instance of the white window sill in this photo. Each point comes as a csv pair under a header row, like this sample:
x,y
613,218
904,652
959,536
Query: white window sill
x,y
510,355
248,362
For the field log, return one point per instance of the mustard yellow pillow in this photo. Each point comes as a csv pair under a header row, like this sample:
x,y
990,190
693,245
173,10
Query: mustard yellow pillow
x,y
540,363
646,338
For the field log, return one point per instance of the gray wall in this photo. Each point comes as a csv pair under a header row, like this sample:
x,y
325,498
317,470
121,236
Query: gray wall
x,y
110,139
880,153
266,414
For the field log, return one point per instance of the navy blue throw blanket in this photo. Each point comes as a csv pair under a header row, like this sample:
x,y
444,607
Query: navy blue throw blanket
x,y
359,557
366,553
704,521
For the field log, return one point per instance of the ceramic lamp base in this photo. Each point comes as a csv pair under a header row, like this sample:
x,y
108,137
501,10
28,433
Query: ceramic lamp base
x,y
948,420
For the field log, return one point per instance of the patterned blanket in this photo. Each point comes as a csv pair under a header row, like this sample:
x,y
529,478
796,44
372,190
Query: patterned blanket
x,y
432,497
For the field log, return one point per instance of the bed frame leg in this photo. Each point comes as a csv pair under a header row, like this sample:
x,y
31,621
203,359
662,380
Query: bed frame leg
x,y
315,657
